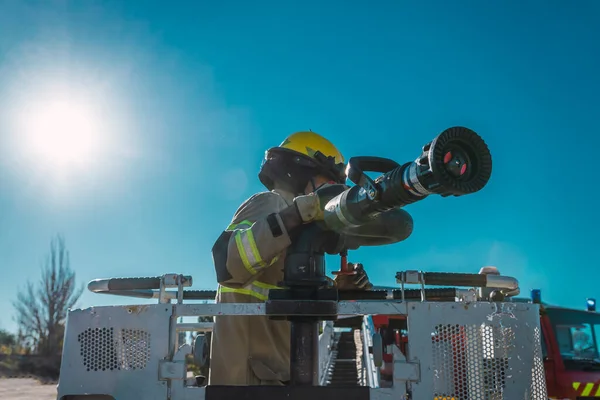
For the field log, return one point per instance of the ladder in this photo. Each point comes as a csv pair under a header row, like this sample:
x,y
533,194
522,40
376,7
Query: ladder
x,y
345,364
349,360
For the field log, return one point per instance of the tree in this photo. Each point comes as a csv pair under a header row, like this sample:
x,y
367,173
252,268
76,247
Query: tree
x,y
42,310
7,338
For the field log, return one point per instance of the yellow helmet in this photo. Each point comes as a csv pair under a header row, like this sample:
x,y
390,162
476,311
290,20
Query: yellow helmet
x,y
300,157
308,143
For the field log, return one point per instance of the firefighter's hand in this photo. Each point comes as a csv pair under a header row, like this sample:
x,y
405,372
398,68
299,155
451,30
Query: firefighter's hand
x,y
358,281
311,206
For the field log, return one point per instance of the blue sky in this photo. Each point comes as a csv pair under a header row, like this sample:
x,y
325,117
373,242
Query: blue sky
x,y
166,84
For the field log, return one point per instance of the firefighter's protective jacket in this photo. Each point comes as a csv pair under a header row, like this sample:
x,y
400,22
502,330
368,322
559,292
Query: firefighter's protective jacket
x,y
249,257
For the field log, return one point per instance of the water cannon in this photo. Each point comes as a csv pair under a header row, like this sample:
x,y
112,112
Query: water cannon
x,y
591,304
455,163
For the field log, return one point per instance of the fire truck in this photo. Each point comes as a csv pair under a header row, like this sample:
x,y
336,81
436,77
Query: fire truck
x,y
569,340
456,336
569,344
444,343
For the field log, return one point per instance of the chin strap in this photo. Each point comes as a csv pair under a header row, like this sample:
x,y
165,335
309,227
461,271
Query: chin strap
x,y
312,182
315,187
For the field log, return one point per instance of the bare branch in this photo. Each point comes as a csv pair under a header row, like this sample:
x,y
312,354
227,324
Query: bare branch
x,y
42,311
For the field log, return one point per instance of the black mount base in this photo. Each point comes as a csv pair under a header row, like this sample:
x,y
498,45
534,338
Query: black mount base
x,y
287,392
310,306
308,297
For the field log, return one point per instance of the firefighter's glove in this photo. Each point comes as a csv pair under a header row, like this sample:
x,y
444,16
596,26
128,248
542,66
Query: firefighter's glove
x,y
311,206
358,281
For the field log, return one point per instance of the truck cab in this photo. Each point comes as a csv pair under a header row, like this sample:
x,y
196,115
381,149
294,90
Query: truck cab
x,y
570,347
570,350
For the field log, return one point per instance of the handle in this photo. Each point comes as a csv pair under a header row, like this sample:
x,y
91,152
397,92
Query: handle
x,y
357,166
458,279
110,285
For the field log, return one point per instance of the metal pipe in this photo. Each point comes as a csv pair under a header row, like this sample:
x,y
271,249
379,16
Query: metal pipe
x,y
367,332
123,284
304,361
325,347
173,337
345,308
139,293
195,326
501,282
437,294
154,294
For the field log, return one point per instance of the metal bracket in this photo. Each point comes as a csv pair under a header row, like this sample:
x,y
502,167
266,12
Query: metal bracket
x,y
178,281
467,296
171,370
176,369
411,277
404,371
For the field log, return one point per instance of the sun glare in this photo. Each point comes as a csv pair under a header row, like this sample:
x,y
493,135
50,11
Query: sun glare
x,y
63,134
65,129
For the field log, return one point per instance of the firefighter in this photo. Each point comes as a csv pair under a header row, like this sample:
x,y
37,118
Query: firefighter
x,y
301,175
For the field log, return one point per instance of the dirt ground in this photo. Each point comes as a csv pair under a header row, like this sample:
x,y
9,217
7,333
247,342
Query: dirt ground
x,y
26,389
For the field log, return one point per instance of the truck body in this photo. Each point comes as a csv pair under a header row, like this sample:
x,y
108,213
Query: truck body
x,y
569,339
460,349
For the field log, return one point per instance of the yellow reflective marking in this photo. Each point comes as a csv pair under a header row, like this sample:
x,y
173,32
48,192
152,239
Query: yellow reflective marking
x,y
242,251
257,289
233,226
274,260
255,252
576,385
588,389
265,285
247,243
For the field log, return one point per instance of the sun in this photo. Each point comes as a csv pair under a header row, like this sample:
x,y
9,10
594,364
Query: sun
x,y
66,131
61,133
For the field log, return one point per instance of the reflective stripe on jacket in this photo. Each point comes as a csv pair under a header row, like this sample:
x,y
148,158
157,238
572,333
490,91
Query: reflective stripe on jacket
x,y
251,244
248,259
256,289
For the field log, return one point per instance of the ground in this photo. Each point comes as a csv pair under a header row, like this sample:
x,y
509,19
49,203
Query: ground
x,y
26,389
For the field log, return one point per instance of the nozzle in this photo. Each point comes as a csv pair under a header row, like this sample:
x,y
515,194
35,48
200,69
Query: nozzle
x,y
456,162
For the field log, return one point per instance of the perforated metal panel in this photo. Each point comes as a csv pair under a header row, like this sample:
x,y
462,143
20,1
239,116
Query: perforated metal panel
x,y
97,349
477,351
471,361
538,387
133,349
115,351
102,349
